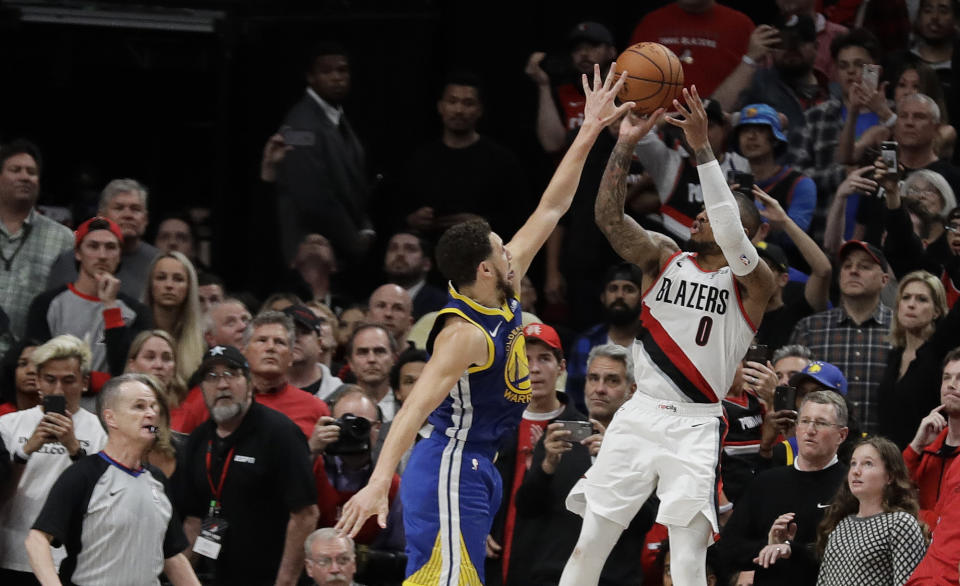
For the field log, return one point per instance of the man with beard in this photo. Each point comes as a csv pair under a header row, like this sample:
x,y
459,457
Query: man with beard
x,y
793,84
123,201
406,263
245,484
935,40
464,174
477,382
621,325
92,308
698,320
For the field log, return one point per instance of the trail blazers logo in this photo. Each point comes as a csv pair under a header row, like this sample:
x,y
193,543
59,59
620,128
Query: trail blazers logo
x,y
517,372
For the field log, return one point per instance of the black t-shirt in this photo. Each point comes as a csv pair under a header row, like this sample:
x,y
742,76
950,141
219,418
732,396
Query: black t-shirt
x,y
776,326
269,476
118,525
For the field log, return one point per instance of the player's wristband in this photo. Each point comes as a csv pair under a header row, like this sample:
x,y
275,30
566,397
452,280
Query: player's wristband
x,y
749,60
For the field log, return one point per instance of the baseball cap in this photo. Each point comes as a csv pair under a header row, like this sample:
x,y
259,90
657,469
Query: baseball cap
x,y
875,253
801,26
624,271
763,115
774,254
302,315
824,373
543,333
227,355
714,111
96,223
592,32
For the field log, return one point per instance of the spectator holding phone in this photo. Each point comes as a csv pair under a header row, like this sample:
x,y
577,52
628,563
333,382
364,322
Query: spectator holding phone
x,y
45,441
558,463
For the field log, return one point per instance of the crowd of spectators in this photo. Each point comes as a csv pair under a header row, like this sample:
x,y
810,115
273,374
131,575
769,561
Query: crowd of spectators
x,y
238,428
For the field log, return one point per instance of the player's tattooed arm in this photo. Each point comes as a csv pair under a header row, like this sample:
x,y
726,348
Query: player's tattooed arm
x,y
704,154
627,237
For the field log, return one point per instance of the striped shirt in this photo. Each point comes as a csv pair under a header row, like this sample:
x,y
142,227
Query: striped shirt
x,y
858,350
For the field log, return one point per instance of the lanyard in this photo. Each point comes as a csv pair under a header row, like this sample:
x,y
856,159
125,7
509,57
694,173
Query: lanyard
x,y
7,262
216,492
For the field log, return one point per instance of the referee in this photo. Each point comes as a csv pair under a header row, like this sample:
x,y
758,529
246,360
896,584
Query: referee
x,y
111,511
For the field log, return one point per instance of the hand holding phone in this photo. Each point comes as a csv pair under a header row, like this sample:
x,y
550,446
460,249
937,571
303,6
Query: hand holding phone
x,y
55,404
888,154
785,398
744,181
758,353
579,430
870,76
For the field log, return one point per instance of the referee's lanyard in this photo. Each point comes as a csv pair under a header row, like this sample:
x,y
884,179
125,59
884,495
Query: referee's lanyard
x,y
217,491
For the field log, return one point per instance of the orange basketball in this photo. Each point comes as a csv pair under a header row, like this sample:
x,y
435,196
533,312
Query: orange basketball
x,y
654,77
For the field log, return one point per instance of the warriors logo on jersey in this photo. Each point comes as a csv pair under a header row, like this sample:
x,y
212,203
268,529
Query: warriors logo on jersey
x,y
516,374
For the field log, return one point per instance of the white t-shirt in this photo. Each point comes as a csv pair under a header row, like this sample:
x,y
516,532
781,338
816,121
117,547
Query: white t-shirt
x,y
42,470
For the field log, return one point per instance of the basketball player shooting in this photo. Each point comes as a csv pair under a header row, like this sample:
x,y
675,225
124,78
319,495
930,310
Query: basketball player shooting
x,y
476,384
699,318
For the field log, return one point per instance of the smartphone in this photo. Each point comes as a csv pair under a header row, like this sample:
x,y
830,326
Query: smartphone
x,y
785,398
579,430
745,181
298,137
888,153
55,404
758,353
870,75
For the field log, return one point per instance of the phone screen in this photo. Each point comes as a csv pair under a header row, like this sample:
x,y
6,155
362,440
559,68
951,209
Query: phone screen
x,y
55,404
758,353
785,398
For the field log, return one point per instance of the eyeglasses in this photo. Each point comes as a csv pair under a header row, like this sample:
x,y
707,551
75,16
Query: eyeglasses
x,y
325,561
817,424
227,375
955,228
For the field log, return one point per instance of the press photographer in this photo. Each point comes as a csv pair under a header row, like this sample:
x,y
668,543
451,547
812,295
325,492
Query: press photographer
x,y
343,466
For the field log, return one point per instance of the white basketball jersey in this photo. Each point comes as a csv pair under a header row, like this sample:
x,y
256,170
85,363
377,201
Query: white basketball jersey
x,y
695,333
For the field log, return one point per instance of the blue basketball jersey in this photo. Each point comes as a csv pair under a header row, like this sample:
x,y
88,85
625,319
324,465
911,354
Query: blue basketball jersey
x,y
489,399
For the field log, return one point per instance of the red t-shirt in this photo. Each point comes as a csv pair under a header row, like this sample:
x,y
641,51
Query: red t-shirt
x,y
939,566
302,407
710,44
525,446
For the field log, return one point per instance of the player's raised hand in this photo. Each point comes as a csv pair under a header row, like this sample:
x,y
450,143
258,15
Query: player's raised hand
x,y
601,108
370,500
634,127
692,118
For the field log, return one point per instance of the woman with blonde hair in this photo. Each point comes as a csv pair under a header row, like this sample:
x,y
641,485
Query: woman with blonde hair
x,y
172,296
921,334
870,534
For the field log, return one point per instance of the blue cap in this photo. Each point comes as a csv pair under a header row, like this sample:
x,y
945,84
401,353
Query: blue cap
x,y
764,115
824,373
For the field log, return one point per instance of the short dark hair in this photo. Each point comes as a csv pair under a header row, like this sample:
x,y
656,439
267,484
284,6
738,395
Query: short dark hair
x,y
426,247
465,78
749,214
952,356
409,355
461,248
369,326
858,37
20,146
322,49
205,278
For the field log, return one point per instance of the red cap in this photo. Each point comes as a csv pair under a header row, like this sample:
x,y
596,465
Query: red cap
x,y
96,223
543,333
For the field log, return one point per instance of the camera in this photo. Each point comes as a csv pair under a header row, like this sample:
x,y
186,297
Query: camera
x,y
354,435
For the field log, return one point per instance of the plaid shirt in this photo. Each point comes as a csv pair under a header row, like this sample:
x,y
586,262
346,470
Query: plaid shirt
x,y
859,350
812,147
26,260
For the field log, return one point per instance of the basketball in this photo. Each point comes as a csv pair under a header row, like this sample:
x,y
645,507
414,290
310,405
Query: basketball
x,y
654,77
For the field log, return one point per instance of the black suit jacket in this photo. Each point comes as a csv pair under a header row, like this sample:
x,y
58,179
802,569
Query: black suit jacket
x,y
323,187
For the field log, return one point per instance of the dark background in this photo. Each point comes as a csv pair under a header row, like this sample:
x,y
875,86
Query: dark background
x,y
187,113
